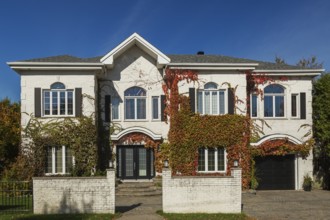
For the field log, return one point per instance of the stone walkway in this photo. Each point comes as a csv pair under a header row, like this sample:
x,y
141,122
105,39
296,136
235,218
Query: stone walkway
x,y
287,204
139,208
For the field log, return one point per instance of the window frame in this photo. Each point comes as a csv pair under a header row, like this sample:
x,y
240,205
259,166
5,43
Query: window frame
x,y
216,162
152,108
211,90
58,92
297,95
54,160
273,95
251,105
135,98
113,106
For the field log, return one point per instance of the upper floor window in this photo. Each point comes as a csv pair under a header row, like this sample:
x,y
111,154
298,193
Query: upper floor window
x,y
211,100
135,103
58,100
274,101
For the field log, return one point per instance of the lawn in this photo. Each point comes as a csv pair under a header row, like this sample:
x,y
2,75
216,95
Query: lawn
x,y
203,216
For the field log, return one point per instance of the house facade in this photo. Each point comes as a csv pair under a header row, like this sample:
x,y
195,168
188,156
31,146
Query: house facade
x,y
124,89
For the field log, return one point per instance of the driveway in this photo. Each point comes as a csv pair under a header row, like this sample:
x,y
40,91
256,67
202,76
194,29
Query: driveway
x,y
287,204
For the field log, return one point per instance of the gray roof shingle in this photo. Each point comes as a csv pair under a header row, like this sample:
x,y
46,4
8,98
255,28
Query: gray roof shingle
x,y
174,59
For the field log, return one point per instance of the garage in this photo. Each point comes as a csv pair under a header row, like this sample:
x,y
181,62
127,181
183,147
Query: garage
x,y
275,172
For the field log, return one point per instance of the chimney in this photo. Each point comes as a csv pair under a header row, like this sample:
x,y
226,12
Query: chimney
x,y
200,53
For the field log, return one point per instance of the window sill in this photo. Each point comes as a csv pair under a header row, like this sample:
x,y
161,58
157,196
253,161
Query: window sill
x,y
211,172
58,116
135,120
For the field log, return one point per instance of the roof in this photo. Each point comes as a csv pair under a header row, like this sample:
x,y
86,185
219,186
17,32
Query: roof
x,y
180,58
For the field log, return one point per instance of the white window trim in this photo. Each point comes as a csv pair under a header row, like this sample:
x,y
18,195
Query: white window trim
x,y
58,102
63,162
135,108
258,110
216,162
297,105
152,109
119,112
273,100
218,96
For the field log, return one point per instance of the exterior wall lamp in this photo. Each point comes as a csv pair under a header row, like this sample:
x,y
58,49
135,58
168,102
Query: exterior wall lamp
x,y
166,163
235,163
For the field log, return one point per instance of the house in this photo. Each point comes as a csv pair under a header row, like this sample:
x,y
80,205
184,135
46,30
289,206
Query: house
x,y
126,89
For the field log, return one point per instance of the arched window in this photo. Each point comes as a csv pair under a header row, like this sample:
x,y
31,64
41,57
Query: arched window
x,y
57,100
274,101
57,85
135,103
211,100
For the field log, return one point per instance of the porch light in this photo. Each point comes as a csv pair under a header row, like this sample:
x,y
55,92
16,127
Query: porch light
x,y
110,164
166,163
235,163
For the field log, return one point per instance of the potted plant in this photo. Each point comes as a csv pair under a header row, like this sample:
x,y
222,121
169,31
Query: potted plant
x,y
307,184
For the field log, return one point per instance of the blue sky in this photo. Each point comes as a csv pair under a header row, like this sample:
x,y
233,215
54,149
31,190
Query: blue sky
x,y
251,29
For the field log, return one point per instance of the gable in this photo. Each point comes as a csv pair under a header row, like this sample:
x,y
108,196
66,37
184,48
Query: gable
x,y
137,40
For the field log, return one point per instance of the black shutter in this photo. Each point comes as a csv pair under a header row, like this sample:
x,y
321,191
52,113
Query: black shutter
x,y
107,110
162,107
192,99
78,101
302,105
231,100
37,102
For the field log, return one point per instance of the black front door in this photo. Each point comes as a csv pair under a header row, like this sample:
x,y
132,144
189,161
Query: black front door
x,y
135,162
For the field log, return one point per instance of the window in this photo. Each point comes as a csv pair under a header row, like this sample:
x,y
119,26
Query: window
x,y
211,101
58,101
135,103
115,108
294,105
155,107
274,101
254,105
59,160
211,160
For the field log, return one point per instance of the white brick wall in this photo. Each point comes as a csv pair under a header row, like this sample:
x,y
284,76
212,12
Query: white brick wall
x,y
216,194
74,194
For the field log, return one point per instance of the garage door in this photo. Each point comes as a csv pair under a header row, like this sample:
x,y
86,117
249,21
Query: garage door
x,y
275,172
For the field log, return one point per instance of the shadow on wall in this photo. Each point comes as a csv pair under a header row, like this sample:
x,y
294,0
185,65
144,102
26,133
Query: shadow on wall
x,y
67,205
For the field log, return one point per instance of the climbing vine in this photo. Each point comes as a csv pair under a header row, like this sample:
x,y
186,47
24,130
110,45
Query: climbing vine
x,y
189,131
79,134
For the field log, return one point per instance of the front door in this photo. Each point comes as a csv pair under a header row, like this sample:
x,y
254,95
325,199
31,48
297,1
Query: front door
x,y
135,162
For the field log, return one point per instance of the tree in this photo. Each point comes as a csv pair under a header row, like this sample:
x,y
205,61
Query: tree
x,y
279,60
9,132
321,104
310,63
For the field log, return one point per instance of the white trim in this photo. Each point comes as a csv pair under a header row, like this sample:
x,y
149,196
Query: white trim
x,y
216,162
124,132
135,39
214,64
297,72
213,68
276,137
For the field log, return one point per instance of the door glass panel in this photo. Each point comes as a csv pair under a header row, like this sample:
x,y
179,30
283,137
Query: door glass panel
x,y
129,162
151,163
119,162
142,162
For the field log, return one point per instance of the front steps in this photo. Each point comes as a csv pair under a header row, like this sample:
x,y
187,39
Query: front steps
x,y
138,189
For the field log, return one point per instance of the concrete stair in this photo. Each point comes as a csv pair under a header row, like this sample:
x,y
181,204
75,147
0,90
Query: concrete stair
x,y
138,189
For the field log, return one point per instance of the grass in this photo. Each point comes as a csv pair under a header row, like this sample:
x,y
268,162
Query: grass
x,y
58,216
204,216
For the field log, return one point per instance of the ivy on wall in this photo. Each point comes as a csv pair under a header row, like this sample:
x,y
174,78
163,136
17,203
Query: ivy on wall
x,y
189,131
79,134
